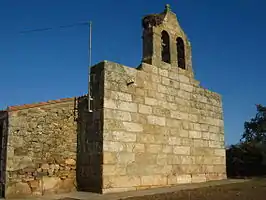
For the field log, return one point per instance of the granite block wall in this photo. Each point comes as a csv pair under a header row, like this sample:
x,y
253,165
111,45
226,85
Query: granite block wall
x,y
159,128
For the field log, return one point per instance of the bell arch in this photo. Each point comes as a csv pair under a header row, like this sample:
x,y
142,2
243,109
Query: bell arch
x,y
165,42
180,46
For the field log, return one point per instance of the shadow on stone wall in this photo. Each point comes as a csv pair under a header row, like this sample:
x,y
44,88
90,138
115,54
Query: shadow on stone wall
x,y
3,149
89,148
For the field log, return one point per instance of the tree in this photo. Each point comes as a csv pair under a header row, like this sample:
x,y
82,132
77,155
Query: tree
x,y
248,158
255,129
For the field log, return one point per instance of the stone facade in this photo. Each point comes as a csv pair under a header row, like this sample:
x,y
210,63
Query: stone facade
x,y
150,126
42,143
160,127
162,130
46,150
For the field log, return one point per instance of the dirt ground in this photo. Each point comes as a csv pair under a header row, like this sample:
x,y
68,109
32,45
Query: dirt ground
x,y
255,189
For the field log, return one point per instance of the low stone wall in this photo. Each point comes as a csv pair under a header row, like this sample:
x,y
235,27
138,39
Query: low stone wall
x,y
160,128
42,143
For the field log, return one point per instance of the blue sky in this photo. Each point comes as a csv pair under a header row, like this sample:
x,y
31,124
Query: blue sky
x,y
227,37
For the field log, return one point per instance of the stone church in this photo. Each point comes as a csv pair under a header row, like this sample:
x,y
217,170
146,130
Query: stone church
x,y
144,127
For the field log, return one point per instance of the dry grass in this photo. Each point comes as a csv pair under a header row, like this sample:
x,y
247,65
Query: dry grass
x,y
251,190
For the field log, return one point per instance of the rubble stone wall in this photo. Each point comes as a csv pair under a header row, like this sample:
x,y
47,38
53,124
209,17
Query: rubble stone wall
x,y
160,128
42,149
56,146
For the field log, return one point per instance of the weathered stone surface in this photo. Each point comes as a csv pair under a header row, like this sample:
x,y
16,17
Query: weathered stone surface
x,y
34,184
181,150
18,190
174,140
109,158
153,148
50,183
124,136
120,96
179,179
145,109
110,146
155,180
134,127
120,105
219,152
67,185
174,136
114,170
117,114
125,157
47,152
195,134
151,101
197,178
118,181
156,120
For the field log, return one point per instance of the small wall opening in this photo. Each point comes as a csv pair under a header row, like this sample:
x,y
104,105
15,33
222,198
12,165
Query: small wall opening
x,y
180,53
165,47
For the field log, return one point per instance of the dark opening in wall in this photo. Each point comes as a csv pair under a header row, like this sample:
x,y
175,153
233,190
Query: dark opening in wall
x,y
165,47
180,53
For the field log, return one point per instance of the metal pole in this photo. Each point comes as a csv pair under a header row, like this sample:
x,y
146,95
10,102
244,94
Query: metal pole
x,y
89,91
90,44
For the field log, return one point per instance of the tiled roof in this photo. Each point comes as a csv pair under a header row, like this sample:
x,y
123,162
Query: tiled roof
x,y
33,105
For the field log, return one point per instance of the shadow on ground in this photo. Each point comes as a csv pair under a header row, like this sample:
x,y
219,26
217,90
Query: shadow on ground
x,y
250,190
